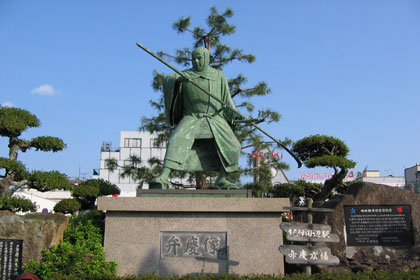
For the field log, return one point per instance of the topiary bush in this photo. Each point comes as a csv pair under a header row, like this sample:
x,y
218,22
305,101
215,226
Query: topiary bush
x,y
47,181
67,206
16,204
87,192
80,254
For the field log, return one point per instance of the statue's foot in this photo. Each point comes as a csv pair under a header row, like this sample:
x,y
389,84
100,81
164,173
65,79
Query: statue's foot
x,y
159,183
225,184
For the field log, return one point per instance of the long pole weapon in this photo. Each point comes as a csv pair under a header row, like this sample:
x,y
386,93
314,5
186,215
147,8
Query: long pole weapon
x,y
186,77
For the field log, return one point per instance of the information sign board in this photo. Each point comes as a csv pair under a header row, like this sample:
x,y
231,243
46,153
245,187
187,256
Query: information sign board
x,y
308,255
378,225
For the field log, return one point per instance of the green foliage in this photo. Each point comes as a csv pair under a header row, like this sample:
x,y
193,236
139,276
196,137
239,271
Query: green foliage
x,y
13,121
366,275
47,181
106,188
329,161
16,204
15,167
67,206
47,144
296,189
326,151
87,192
79,255
319,145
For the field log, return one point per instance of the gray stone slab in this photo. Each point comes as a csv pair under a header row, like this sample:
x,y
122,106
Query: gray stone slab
x,y
134,237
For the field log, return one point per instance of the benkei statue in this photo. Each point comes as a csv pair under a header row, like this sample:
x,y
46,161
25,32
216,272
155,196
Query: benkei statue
x,y
199,104
203,139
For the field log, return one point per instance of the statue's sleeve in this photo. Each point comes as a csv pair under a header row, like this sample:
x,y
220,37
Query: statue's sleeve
x,y
227,98
173,102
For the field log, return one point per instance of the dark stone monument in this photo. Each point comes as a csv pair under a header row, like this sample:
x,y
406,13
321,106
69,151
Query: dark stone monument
x,y
10,258
378,226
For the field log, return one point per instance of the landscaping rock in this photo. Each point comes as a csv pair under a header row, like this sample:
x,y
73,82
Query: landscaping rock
x,y
38,231
358,258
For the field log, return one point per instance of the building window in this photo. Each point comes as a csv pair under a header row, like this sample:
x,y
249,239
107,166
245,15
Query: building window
x,y
132,142
154,143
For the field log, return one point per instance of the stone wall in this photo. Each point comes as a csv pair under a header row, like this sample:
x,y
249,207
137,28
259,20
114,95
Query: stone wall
x,y
145,234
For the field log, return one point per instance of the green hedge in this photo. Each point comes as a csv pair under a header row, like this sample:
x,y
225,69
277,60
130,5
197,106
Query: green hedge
x,y
376,275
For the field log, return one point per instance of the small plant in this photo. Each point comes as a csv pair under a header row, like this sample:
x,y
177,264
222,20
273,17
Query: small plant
x,y
80,255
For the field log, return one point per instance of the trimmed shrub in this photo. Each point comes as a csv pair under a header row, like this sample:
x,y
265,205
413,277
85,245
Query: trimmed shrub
x,y
87,192
47,181
16,204
67,206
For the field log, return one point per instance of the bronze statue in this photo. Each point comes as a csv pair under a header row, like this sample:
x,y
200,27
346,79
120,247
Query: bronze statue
x,y
198,101
203,132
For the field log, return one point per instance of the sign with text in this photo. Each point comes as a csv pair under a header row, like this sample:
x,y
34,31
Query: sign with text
x,y
310,233
211,245
383,225
305,255
11,258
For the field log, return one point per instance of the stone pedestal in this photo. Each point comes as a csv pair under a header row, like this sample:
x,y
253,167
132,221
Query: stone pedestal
x,y
174,235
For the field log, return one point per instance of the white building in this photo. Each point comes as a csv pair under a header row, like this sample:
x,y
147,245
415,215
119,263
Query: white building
x,y
132,143
44,201
412,175
373,176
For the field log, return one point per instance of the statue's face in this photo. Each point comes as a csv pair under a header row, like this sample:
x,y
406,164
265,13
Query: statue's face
x,y
199,62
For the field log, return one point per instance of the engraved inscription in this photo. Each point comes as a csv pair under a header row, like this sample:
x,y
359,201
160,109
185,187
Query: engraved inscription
x,y
193,244
10,258
384,225
305,255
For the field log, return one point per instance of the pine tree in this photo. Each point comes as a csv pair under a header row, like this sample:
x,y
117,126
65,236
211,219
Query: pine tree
x,y
326,151
217,28
13,122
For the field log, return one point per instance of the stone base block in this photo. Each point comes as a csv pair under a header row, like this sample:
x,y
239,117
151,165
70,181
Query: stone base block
x,y
173,235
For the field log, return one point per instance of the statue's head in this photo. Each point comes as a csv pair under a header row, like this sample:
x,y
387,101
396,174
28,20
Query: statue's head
x,y
201,59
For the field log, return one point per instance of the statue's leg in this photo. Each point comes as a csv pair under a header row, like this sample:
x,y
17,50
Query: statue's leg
x,y
162,181
222,182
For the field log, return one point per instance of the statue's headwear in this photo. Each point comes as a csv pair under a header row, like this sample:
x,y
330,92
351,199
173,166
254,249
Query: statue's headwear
x,y
206,54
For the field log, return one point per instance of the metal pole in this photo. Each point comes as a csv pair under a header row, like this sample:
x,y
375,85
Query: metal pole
x,y
308,268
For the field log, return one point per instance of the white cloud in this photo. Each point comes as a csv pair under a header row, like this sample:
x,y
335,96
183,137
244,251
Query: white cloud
x,y
7,104
45,90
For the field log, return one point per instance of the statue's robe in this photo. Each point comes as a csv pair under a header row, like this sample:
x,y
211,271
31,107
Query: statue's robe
x,y
199,116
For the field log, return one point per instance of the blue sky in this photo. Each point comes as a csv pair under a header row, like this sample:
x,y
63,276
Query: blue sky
x,y
349,69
